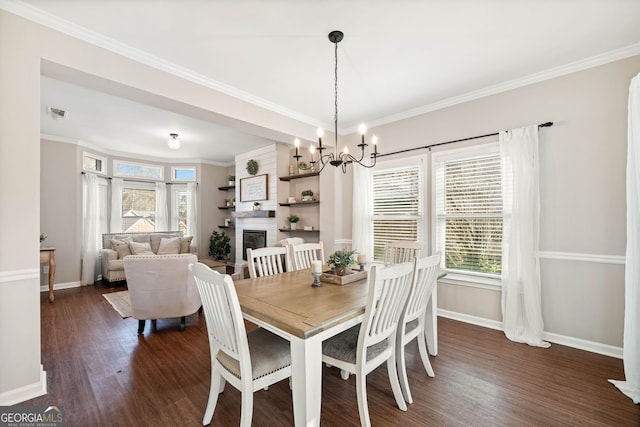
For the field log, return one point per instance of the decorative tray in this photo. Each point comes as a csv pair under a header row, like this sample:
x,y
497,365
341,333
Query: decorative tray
x,y
327,277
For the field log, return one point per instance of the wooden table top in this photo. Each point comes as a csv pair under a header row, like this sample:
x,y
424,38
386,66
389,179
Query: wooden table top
x,y
289,302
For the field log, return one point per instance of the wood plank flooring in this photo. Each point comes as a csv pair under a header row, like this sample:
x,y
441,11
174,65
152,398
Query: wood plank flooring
x,y
103,374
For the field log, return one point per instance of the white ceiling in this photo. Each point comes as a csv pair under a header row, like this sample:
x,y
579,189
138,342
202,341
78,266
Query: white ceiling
x,y
398,58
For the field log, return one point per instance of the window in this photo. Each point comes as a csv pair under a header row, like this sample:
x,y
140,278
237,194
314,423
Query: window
x,y
468,210
93,163
397,206
138,207
137,170
183,173
179,208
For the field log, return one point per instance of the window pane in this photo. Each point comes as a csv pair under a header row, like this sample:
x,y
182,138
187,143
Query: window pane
x,y
184,174
138,210
182,211
474,244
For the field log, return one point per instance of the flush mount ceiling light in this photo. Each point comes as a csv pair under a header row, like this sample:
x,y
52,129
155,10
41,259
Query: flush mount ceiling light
x,y
174,142
343,158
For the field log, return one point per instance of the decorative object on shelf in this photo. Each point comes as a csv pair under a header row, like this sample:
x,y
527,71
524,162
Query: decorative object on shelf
x,y
232,180
343,158
227,222
307,195
174,143
291,200
256,206
254,188
227,202
308,228
252,167
293,220
43,237
219,246
341,261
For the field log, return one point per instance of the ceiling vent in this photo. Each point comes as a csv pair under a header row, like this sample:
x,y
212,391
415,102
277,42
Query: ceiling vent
x,y
58,113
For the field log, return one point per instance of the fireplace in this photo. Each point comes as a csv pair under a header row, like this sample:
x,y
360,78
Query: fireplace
x,y
253,239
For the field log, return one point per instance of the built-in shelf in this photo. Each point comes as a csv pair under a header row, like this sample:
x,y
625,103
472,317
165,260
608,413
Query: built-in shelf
x,y
227,187
224,226
298,176
299,230
313,202
254,214
226,207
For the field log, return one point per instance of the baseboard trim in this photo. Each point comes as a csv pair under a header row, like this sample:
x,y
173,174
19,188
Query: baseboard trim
x,y
59,286
27,392
580,344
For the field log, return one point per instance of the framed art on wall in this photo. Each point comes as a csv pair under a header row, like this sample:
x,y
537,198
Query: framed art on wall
x,y
254,188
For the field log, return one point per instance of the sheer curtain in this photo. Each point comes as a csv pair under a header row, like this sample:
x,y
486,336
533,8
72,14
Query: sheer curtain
x,y
162,215
115,223
631,340
192,218
90,236
361,216
521,293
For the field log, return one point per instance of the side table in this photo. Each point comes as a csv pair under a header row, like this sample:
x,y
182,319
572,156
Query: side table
x,y
48,256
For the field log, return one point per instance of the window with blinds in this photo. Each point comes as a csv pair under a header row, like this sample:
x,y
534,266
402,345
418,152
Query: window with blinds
x,y
469,214
138,208
397,206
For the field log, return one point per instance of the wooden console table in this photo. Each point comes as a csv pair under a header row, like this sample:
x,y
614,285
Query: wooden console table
x,y
48,256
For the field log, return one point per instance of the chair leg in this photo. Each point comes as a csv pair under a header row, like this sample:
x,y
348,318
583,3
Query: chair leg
x,y
183,322
344,374
402,373
214,390
395,385
141,326
247,407
422,346
363,406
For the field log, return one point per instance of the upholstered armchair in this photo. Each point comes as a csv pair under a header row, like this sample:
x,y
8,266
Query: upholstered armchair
x,y
161,286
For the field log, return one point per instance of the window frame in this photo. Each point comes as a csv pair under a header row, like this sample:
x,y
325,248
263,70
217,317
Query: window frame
x,y
174,205
175,169
152,167
468,278
103,163
136,185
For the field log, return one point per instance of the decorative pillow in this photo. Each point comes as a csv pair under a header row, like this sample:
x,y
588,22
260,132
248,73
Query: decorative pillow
x,y
157,238
169,246
122,250
141,238
140,248
185,244
119,241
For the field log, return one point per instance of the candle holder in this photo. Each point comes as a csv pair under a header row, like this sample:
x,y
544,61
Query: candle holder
x,y
316,280
362,265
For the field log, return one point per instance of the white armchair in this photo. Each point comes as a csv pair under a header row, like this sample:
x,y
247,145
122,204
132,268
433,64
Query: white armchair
x,y
161,286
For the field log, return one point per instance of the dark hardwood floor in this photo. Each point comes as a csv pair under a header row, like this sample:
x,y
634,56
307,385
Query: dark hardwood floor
x,y
103,374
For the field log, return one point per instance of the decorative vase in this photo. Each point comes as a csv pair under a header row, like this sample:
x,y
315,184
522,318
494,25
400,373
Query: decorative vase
x,y
294,225
343,271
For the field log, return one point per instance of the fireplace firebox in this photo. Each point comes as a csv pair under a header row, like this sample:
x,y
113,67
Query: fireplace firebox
x,y
253,239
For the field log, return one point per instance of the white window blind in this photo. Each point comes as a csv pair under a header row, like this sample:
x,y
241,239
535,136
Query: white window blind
x,y
397,206
138,207
469,214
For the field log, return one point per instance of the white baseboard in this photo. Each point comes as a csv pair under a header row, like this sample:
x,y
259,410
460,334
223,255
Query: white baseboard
x,y
580,344
58,286
26,392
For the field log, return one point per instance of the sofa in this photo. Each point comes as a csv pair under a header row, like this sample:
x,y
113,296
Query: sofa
x,y
115,246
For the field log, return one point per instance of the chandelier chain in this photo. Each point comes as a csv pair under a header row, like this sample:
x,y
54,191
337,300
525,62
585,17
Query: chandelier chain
x,y
335,117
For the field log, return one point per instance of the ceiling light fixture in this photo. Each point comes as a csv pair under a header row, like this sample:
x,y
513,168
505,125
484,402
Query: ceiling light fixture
x,y
174,143
343,158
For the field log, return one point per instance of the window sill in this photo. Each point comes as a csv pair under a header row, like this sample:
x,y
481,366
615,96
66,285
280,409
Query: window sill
x,y
481,282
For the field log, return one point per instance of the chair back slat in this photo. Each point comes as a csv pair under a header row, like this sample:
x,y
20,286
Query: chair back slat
x,y
266,261
302,255
424,281
399,251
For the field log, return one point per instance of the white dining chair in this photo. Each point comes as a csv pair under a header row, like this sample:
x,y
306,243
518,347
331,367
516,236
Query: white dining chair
x,y
362,348
301,255
399,251
267,261
412,319
249,362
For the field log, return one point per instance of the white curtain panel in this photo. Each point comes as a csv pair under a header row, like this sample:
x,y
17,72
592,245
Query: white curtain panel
x,y
631,340
521,290
90,237
362,231
192,218
115,223
162,215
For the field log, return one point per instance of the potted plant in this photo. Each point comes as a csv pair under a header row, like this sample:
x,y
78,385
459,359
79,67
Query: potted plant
x,y
307,195
340,261
219,246
43,237
293,220
232,180
256,206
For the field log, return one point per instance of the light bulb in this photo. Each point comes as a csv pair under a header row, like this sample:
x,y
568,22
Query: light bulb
x,y
174,142
362,129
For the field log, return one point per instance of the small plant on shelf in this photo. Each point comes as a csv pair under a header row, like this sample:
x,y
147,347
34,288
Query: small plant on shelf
x,y
256,206
293,220
219,246
232,180
341,260
43,237
307,195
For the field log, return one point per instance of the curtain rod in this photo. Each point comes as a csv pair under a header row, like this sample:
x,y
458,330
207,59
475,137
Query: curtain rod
x,y
428,147
139,180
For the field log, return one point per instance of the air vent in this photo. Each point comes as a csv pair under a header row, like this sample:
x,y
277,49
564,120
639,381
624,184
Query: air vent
x,y
58,113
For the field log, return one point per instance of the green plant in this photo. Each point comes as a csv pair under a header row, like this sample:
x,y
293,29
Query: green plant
x,y
293,218
343,258
252,167
232,177
307,193
219,245
302,165
43,237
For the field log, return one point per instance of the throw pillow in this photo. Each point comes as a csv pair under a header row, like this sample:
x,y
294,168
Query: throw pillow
x,y
141,238
119,241
169,246
122,250
185,244
156,238
140,248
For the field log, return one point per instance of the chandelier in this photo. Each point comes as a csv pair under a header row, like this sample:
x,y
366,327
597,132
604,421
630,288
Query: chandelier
x,y
343,158
174,142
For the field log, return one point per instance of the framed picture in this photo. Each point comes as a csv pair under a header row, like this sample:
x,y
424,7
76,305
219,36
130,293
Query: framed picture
x,y
254,188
